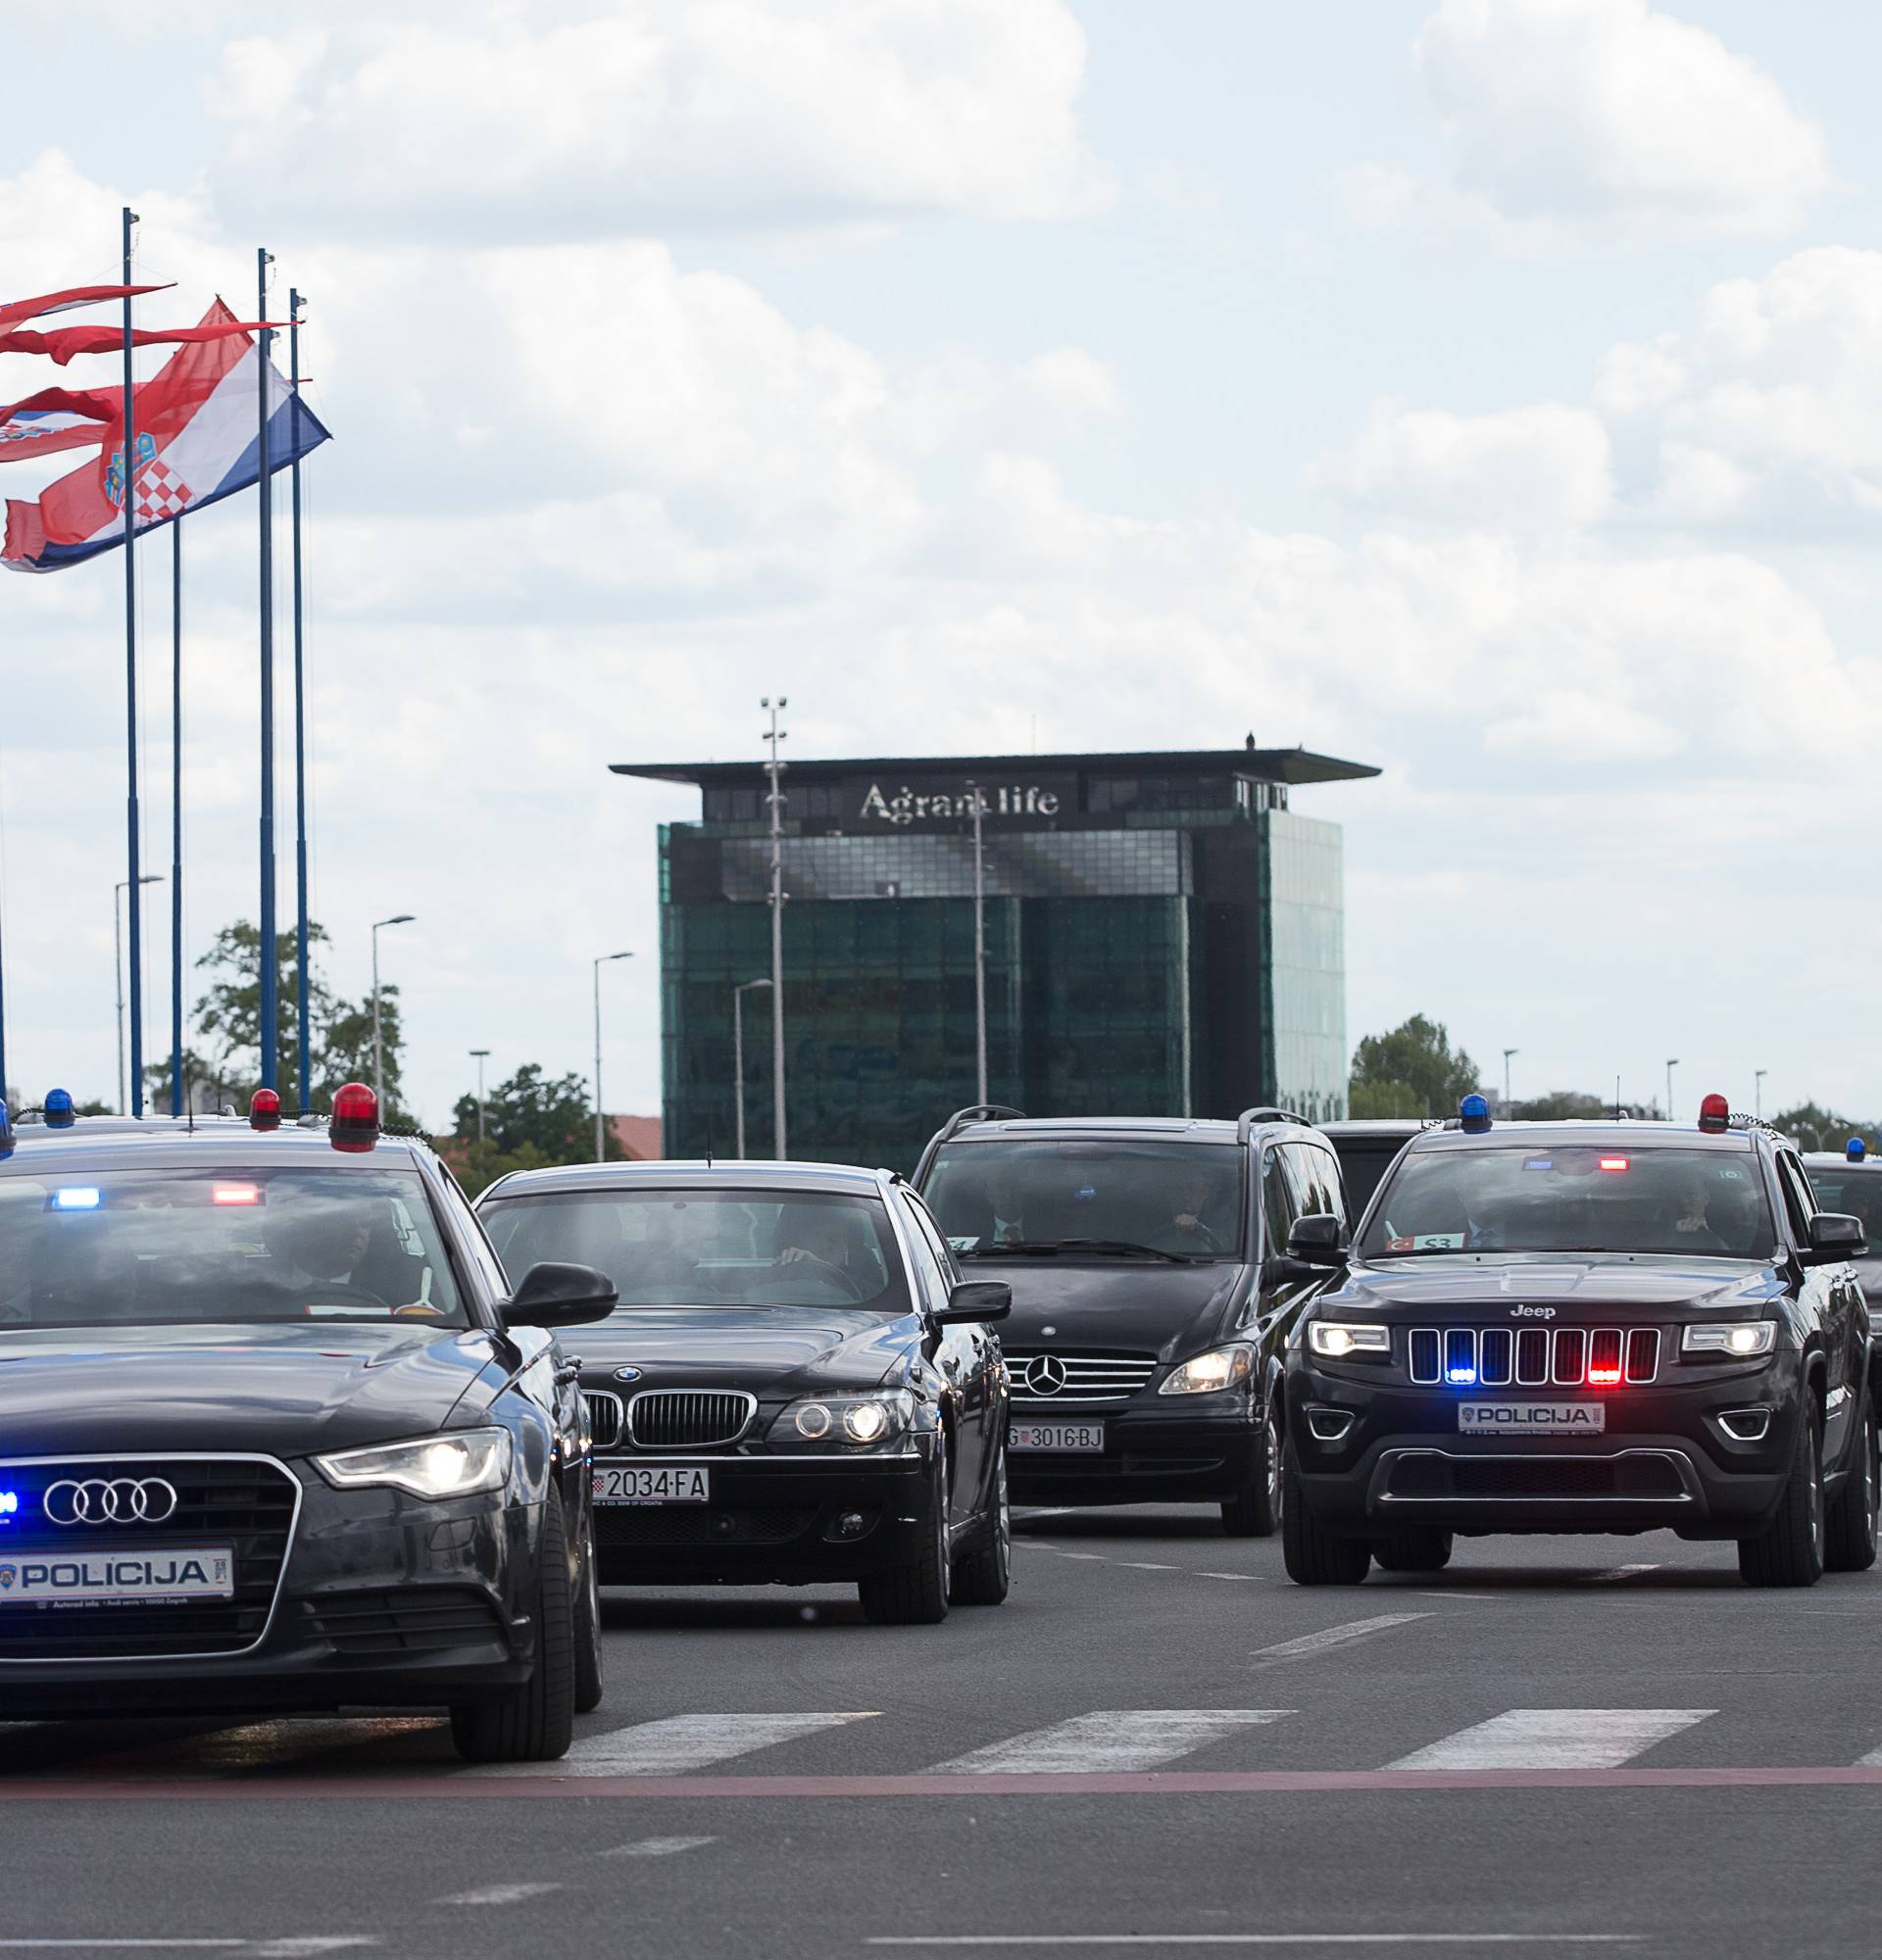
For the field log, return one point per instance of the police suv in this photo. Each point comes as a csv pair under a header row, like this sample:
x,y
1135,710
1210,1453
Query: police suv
x,y
1584,1327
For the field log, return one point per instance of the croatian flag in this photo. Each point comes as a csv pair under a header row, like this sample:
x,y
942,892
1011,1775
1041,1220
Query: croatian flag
x,y
56,418
196,443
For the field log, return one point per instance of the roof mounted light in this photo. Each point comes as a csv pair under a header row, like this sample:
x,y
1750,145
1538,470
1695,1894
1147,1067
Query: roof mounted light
x,y
58,1113
1714,1114
1856,1149
264,1110
1474,1114
354,1124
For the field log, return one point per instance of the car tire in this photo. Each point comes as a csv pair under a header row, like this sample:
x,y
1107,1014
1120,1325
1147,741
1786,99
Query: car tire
x,y
535,1720
1789,1551
1850,1524
983,1576
1413,1549
1312,1554
588,1664
1255,1511
915,1593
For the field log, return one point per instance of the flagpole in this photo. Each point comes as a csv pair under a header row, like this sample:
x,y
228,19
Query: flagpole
x,y
270,971
131,694
301,986
176,816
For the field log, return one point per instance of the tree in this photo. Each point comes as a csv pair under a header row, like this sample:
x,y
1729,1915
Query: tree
x,y
1558,1105
552,1117
1817,1129
1412,1071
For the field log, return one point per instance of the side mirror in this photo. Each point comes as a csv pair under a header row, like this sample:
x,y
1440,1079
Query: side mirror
x,y
554,1295
1835,1236
976,1301
1317,1240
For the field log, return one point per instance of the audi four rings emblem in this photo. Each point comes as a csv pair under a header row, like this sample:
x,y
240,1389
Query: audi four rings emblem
x,y
118,1500
1045,1375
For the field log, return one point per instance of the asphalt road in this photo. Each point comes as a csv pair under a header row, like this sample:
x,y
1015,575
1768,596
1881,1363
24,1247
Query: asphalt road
x,y
1157,1746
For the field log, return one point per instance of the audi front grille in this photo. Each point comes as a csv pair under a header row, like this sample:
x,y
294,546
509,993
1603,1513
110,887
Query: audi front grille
x,y
689,1418
248,1503
1533,1357
1086,1378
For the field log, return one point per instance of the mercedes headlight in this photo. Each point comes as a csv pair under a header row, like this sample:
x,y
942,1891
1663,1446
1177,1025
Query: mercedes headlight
x,y
847,1422
1205,1374
1339,1339
434,1466
1738,1339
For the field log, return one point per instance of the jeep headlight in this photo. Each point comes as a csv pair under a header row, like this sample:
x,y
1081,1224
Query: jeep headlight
x,y
1339,1339
1738,1339
1207,1374
847,1422
433,1466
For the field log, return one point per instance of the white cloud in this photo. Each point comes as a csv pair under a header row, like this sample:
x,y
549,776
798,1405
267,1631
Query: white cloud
x,y
1542,468
1603,119
539,122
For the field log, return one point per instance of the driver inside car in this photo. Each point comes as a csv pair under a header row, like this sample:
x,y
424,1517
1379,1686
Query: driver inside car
x,y
317,1246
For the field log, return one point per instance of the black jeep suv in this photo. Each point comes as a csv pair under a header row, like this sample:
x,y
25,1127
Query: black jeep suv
x,y
1585,1326
1152,1295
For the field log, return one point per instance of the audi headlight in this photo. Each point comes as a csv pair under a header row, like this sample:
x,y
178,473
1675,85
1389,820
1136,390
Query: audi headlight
x,y
1204,1374
1738,1339
852,1422
1338,1339
434,1466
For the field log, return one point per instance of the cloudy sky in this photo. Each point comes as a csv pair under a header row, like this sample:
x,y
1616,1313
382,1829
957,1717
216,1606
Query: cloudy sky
x,y
1487,389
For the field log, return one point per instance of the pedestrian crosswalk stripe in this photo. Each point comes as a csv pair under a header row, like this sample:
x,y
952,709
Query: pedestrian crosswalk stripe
x,y
1109,1739
676,1745
1554,1738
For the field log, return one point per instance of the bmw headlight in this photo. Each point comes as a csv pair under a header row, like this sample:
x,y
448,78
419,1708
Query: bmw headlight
x,y
1736,1338
1204,1374
1339,1339
847,1422
434,1466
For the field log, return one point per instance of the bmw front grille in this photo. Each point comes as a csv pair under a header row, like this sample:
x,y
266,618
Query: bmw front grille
x,y
1533,1357
689,1418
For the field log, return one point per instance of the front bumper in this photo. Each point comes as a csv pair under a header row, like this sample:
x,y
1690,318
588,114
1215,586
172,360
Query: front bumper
x,y
1663,1461
1167,1449
789,1519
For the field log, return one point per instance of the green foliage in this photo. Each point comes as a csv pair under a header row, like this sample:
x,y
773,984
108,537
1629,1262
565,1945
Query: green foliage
x,y
1413,1069
529,1121
1560,1105
1817,1129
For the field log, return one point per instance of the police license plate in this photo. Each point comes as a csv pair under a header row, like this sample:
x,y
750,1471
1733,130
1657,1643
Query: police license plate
x,y
1532,1418
620,1484
112,1578
1059,1435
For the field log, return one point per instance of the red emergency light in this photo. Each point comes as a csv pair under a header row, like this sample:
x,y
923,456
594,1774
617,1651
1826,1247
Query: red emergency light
x,y
1714,1113
264,1110
354,1123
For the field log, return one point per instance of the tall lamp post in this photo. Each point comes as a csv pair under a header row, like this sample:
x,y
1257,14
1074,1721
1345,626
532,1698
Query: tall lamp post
x,y
601,1138
1506,1054
979,949
1672,1064
774,770
1758,1093
482,1054
738,1056
118,892
379,1046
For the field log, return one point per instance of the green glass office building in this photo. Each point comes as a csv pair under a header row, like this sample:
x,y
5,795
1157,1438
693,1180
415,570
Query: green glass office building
x,y
1163,935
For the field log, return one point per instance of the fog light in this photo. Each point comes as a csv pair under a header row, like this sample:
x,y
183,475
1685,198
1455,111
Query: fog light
x,y
1749,1425
848,1526
1328,1425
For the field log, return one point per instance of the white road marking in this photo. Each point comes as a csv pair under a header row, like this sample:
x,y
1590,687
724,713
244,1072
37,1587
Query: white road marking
x,y
1618,1572
1337,1637
1226,1575
1872,1761
1258,1939
500,1894
316,1943
1108,1738
1554,1738
1144,1565
657,1847
1098,1557
675,1744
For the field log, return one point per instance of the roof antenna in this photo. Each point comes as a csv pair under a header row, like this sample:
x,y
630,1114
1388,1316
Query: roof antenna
x,y
1617,1115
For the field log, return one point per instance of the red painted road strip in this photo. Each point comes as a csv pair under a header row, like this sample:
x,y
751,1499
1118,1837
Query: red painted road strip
x,y
1146,1782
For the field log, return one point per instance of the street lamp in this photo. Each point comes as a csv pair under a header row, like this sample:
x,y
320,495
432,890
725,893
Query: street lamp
x,y
481,1055
601,1145
378,1048
1506,1054
979,949
774,801
1670,1066
1758,1093
738,1055
118,892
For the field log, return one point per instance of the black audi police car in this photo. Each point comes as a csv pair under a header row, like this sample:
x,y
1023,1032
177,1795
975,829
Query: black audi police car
x,y
798,1387
1585,1326
280,1437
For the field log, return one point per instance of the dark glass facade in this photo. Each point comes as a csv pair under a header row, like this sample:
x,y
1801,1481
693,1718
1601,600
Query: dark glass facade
x,y
1163,935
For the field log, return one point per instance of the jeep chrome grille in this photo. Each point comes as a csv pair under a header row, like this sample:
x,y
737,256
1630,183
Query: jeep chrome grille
x,y
689,1418
1052,1377
1533,1357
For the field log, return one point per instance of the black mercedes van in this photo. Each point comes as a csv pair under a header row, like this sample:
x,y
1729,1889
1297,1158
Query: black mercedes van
x,y
1152,1295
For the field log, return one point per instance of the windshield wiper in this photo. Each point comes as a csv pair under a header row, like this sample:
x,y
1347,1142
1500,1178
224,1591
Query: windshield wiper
x,y
1045,1248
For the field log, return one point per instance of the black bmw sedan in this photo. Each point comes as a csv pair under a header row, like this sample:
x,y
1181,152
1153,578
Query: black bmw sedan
x,y
797,1387
279,1438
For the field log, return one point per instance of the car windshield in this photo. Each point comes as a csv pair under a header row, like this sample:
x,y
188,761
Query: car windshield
x,y
711,1248
89,1248
1853,1189
1363,1160
1574,1198
1179,1200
